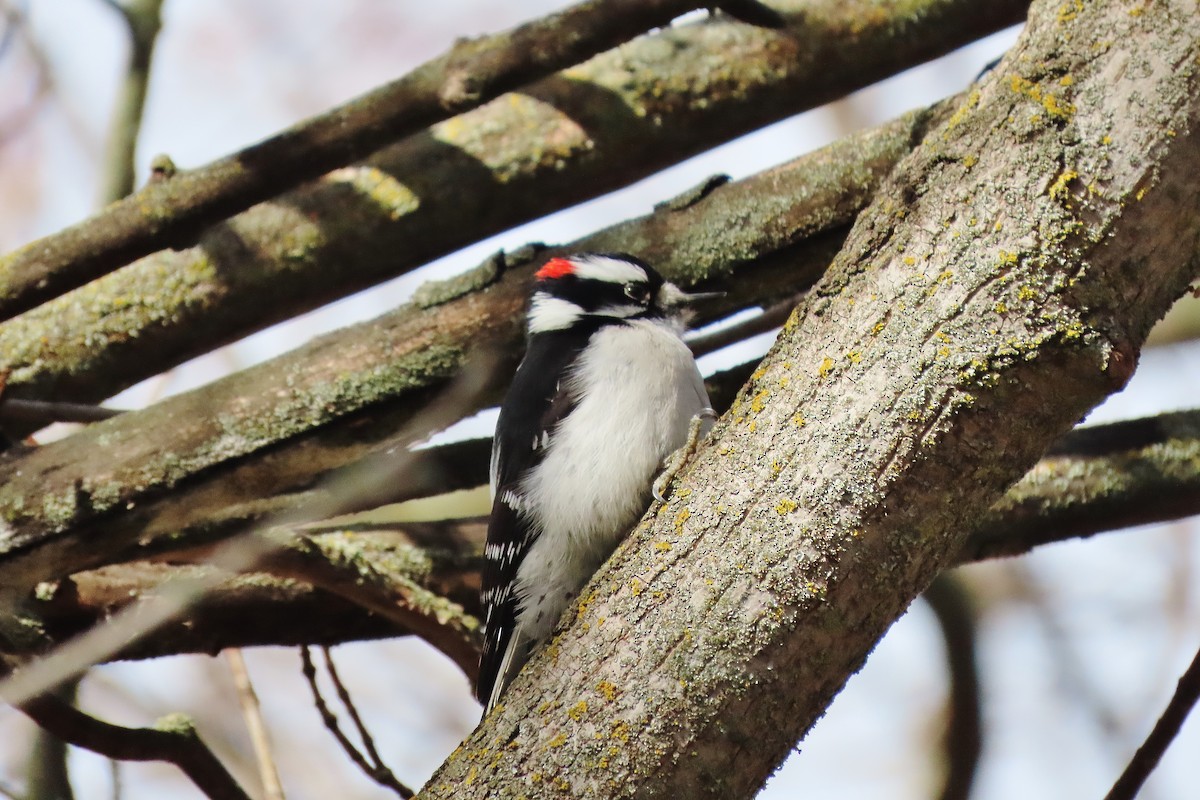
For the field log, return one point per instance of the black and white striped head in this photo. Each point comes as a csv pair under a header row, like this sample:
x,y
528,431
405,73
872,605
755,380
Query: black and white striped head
x,y
609,286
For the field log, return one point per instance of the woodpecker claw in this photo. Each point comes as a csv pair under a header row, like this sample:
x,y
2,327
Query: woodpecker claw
x,y
675,462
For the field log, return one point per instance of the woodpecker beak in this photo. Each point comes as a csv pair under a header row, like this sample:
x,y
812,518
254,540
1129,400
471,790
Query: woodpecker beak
x,y
671,296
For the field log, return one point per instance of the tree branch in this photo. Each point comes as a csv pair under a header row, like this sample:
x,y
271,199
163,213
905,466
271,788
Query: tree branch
x,y
173,740
172,213
952,604
981,305
598,126
1097,479
143,19
1187,692
442,558
336,398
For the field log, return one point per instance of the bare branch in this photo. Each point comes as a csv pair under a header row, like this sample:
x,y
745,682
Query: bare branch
x,y
1187,692
143,19
369,764
1097,479
255,725
42,413
173,740
314,399
241,554
173,212
951,602
611,121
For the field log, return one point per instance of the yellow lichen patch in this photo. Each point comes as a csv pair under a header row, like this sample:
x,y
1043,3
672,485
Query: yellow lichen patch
x,y
909,260
662,547
785,506
961,113
969,161
1070,10
585,603
635,586
620,732
1007,258
758,402
1027,293
558,741
879,326
388,194
681,518
942,336
1060,189
607,690
1051,104
1001,307
854,357
776,468
799,421
825,368
577,711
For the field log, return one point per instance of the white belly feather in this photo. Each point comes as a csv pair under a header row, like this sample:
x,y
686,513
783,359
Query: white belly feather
x,y
596,480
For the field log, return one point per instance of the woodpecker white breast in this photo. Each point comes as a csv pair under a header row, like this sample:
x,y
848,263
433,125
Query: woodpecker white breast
x,y
605,393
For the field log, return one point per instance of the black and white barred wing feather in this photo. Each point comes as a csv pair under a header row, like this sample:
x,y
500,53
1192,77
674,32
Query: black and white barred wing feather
x,y
537,401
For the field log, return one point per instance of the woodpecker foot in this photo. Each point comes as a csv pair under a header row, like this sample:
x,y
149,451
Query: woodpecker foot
x,y
700,425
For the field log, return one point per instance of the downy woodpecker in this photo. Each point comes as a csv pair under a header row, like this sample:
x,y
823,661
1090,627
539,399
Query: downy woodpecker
x,y
606,392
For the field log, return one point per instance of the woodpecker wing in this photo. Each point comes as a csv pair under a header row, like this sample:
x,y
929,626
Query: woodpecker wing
x,y
536,402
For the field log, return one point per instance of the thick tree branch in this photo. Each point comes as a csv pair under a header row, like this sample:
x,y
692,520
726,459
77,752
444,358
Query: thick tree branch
x,y
333,400
171,213
243,611
576,135
173,740
999,286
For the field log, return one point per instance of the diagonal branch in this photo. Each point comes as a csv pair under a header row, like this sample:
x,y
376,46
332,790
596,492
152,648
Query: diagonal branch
x,y
983,303
317,399
171,213
1187,692
173,740
578,134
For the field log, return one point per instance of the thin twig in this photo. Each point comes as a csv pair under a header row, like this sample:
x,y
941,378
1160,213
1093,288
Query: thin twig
x,y
769,319
143,19
375,768
175,741
44,413
1187,692
348,703
171,213
268,773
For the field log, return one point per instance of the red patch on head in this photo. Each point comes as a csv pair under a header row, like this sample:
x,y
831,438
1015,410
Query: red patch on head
x,y
555,268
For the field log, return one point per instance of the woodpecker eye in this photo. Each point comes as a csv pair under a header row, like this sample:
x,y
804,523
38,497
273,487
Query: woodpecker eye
x,y
638,292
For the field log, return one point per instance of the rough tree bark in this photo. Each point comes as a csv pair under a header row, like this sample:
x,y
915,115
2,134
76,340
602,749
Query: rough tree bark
x,y
999,286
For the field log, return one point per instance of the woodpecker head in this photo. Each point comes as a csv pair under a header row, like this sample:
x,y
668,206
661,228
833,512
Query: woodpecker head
x,y
605,285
